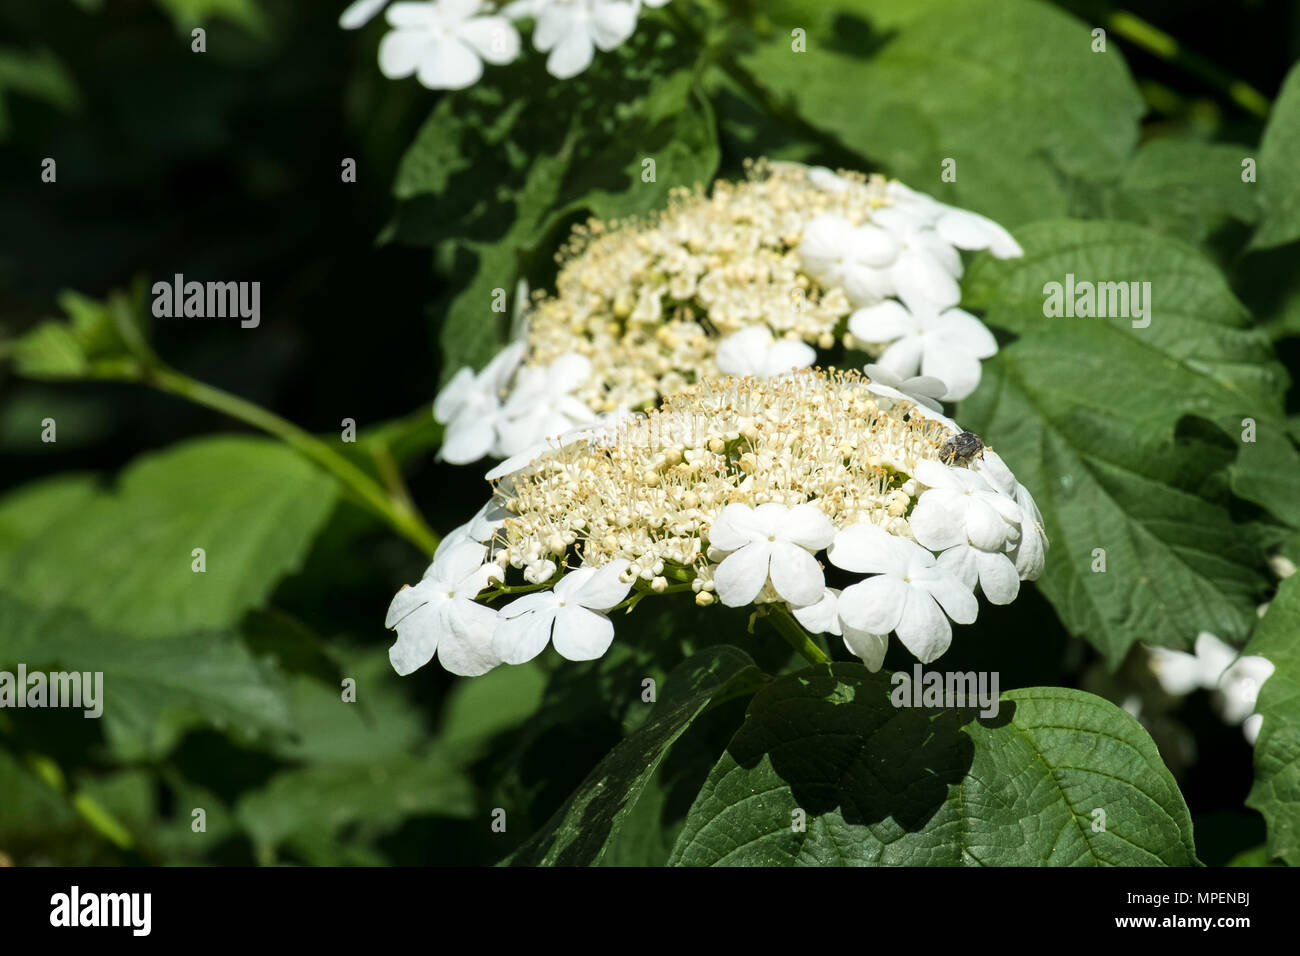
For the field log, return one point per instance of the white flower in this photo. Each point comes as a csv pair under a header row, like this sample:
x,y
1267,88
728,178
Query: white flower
x,y
858,259
973,524
470,406
1030,551
960,227
919,389
909,594
824,618
572,616
444,43
770,541
753,351
1215,666
359,13
541,404
946,345
439,614
571,30
960,507
1238,687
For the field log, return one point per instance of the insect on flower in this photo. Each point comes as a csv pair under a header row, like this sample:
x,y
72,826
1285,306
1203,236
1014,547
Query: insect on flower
x,y
961,448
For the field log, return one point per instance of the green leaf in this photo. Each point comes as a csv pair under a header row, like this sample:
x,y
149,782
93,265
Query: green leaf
x,y
153,691
186,14
1276,793
879,784
97,339
479,709
500,167
1009,89
1088,412
38,74
125,557
1277,181
308,806
584,827
1185,188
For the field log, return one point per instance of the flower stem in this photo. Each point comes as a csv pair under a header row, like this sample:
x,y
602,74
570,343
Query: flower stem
x,y
795,635
396,509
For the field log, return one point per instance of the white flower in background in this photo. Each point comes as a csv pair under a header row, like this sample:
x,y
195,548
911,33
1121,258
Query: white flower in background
x,y
470,406
909,593
572,616
754,351
541,404
972,524
919,389
359,13
440,615
1215,666
571,31
444,42
946,345
824,618
770,542
1238,688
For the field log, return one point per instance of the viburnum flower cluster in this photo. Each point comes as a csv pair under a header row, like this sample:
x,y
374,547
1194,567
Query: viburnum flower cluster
x,y
445,43
760,277
858,513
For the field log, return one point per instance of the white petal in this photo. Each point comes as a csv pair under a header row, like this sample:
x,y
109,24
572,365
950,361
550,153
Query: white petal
x,y
969,230
735,526
467,441
1250,728
874,606
421,15
417,640
923,629
959,561
958,369
449,65
571,55
923,283
582,635
866,549
954,597
822,617
520,638
904,356
966,333
405,602
402,51
986,528
494,38
882,323
935,523
612,22
742,574
796,575
869,647
359,13
998,578
807,526
1176,672
601,590
466,647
